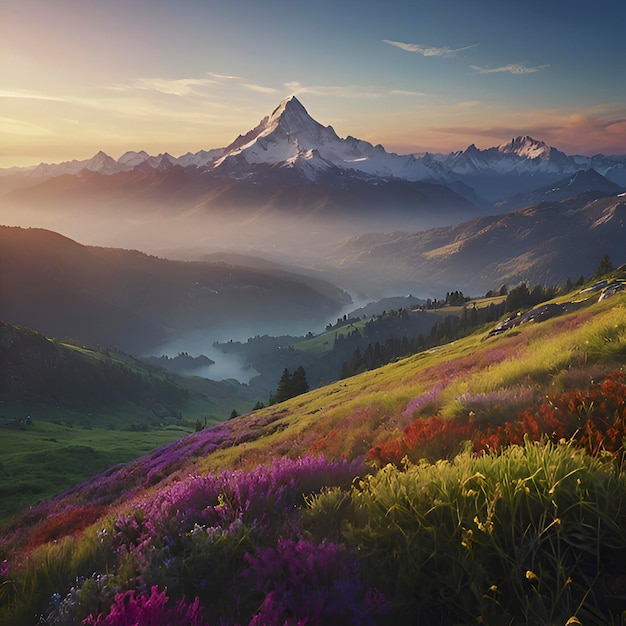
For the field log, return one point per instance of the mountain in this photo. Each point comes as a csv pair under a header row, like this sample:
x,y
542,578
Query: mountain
x,y
289,166
133,301
519,166
291,138
543,244
580,182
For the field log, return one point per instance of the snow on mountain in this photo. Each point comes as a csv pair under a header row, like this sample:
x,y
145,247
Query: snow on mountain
x,y
526,147
101,163
131,159
291,138
199,159
521,155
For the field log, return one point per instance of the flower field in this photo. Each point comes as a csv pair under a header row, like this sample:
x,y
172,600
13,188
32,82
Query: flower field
x,y
479,482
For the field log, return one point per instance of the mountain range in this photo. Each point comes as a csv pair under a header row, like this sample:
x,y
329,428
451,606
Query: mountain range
x,y
292,165
291,140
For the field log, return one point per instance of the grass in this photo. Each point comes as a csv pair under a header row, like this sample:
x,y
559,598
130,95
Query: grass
x,y
320,344
498,539
47,458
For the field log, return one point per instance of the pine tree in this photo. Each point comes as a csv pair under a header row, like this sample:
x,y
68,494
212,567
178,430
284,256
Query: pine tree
x,y
299,383
604,267
290,385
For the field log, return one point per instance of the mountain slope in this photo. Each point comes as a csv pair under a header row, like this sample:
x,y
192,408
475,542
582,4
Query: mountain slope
x,y
580,182
544,244
42,375
127,299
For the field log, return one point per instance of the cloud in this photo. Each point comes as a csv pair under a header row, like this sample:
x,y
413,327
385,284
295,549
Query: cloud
x,y
402,92
177,87
512,68
259,88
223,76
341,91
428,51
31,95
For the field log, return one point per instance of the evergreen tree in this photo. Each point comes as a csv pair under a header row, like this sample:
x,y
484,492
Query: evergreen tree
x,y
604,267
299,383
290,385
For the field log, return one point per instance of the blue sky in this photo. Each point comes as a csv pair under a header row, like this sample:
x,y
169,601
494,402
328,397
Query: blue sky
x,y
77,76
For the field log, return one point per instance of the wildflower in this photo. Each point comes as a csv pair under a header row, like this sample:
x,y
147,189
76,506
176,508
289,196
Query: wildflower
x,y
466,542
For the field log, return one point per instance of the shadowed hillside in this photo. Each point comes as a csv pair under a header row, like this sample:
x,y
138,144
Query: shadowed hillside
x,y
132,301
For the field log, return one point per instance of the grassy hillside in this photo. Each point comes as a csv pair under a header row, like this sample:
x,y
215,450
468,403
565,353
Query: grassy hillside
x,y
68,412
509,509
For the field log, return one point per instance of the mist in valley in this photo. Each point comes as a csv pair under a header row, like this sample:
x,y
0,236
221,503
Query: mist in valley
x,y
229,365
298,241
263,240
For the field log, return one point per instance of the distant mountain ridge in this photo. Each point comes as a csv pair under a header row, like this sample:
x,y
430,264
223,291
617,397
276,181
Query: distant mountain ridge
x,y
570,186
290,138
542,244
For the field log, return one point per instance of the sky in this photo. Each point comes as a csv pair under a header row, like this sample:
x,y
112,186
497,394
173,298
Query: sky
x,y
79,76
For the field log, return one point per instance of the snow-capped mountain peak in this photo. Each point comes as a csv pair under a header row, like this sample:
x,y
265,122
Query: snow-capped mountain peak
x,y
131,158
291,138
525,147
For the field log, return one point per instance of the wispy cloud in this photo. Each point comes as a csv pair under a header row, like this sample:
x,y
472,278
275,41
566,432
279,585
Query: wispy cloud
x,y
177,87
259,88
30,95
428,51
223,76
512,68
403,92
342,91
